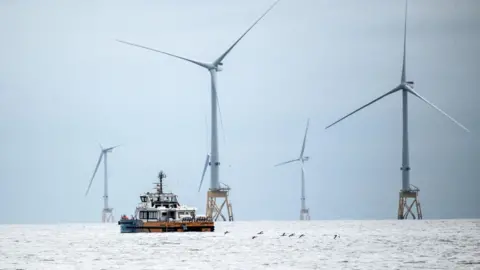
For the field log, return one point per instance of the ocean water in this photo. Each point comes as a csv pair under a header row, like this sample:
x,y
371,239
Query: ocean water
x,y
388,244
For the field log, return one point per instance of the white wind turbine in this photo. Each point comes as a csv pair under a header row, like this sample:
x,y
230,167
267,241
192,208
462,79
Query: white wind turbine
x,y
406,87
304,212
107,212
212,159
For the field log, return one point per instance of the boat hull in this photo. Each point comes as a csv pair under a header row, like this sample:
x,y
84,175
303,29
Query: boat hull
x,y
138,226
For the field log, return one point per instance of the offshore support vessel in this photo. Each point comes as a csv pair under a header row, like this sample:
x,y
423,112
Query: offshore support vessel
x,y
160,211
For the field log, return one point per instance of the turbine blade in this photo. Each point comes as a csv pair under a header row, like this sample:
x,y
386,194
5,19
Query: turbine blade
x,y
113,147
290,161
220,59
166,53
435,107
95,171
404,67
204,170
304,139
366,105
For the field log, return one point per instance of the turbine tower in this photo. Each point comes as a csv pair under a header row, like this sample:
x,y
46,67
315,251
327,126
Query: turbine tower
x,y
304,212
213,159
107,212
408,191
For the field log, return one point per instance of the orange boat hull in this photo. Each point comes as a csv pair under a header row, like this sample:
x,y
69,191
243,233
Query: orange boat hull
x,y
136,226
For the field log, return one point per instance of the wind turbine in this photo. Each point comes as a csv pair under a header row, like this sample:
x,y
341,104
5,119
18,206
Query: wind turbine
x,y
406,87
304,212
212,159
107,213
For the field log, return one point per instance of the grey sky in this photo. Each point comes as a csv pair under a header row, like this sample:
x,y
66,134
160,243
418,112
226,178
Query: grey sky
x,y
67,85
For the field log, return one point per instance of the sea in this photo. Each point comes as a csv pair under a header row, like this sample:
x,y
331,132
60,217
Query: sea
x,y
366,244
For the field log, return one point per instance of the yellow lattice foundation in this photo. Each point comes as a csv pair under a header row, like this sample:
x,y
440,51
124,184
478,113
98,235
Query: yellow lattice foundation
x,y
213,209
407,200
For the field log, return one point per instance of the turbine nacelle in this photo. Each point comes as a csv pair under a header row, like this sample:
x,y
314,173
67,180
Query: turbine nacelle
x,y
406,85
305,159
219,67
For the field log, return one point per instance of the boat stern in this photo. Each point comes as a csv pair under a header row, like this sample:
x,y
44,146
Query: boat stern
x,y
129,225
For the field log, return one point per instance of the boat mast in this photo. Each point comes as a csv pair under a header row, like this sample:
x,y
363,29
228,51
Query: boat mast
x,y
161,176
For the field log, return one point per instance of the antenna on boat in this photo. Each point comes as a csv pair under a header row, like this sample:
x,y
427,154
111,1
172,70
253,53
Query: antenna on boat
x,y
161,176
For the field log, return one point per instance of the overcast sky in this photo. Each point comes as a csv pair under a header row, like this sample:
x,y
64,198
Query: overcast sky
x,y
66,85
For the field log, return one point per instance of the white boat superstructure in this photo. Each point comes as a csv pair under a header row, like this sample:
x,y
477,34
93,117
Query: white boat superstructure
x,y
163,206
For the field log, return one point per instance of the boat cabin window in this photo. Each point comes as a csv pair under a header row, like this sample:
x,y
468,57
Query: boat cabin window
x,y
148,215
143,198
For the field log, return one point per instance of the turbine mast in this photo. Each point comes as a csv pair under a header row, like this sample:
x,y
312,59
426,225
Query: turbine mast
x,y
405,148
304,212
214,156
105,184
